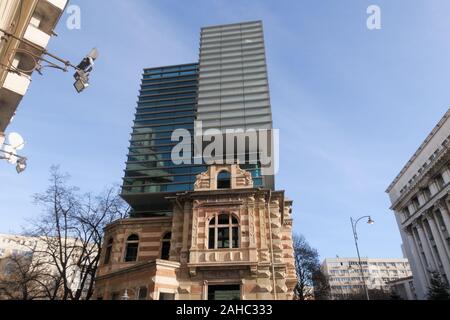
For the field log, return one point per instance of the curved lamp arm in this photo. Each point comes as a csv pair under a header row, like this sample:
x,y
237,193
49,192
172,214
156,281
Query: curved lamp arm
x,y
355,222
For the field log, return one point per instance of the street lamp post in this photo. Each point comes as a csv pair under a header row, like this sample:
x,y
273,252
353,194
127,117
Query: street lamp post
x,y
355,236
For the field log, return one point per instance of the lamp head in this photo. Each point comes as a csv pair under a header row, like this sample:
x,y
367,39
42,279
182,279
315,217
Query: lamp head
x,y
21,165
81,84
370,221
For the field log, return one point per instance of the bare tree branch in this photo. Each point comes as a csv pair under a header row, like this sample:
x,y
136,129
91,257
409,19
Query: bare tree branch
x,y
69,234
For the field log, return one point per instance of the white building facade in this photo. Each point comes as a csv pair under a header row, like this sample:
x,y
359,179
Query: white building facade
x,y
344,274
420,196
37,252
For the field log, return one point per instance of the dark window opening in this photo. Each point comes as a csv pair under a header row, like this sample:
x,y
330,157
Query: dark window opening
x,y
166,296
406,212
115,296
440,181
165,246
132,246
235,237
427,193
440,220
416,203
223,232
108,251
211,238
224,292
224,180
142,295
224,219
223,238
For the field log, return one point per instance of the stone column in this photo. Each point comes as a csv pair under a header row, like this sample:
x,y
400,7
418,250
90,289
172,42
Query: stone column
x,y
426,247
251,226
417,260
275,223
262,222
186,216
440,246
185,238
440,231
444,208
409,292
205,290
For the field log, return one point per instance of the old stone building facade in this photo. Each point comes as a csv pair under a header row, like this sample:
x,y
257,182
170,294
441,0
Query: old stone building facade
x,y
420,196
224,240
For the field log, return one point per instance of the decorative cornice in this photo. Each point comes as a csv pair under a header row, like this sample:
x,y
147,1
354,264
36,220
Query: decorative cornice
x,y
137,221
422,146
221,203
140,266
417,183
425,209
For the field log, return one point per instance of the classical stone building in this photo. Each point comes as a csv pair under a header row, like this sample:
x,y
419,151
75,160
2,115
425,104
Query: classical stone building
x,y
225,240
420,197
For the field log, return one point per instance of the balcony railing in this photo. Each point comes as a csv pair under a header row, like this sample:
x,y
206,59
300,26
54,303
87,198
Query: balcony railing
x,y
223,256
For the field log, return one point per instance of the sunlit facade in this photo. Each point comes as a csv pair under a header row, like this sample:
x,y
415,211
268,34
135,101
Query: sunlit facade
x,y
28,26
227,89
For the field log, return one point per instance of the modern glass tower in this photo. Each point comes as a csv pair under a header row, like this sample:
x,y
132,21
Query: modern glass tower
x,y
233,87
227,89
167,102
233,91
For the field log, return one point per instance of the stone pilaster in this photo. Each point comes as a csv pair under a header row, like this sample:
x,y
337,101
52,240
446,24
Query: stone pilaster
x,y
443,206
442,233
426,247
440,246
417,260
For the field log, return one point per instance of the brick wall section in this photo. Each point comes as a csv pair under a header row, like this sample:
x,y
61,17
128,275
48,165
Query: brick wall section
x,y
150,232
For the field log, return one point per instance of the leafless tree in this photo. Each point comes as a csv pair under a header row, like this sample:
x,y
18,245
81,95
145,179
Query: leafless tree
x,y
23,278
322,289
311,283
70,233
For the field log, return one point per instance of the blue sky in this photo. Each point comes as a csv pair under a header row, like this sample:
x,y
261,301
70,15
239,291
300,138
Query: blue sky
x,y
352,105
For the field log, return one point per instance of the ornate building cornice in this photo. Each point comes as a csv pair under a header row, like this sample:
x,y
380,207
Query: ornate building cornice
x,y
422,178
422,146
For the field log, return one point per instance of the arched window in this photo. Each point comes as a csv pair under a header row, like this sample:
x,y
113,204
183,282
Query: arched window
x,y
224,180
223,232
108,250
131,251
165,246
